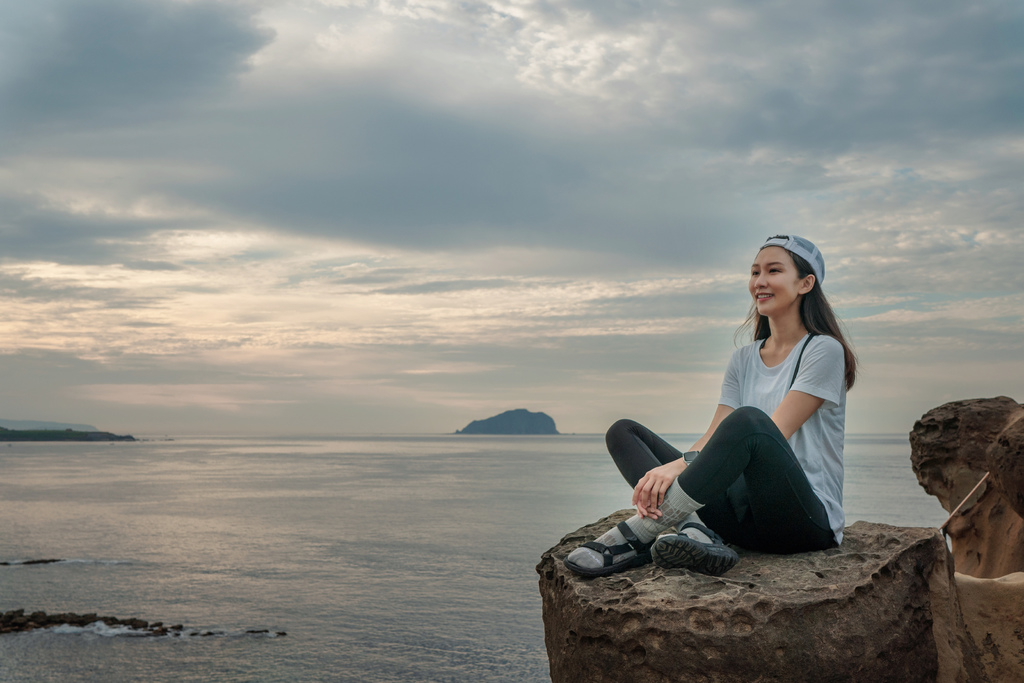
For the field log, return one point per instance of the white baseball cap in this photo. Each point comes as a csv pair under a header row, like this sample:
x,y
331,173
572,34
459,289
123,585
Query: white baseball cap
x,y
803,248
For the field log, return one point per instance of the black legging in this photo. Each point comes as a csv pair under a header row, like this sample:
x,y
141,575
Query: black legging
x,y
755,493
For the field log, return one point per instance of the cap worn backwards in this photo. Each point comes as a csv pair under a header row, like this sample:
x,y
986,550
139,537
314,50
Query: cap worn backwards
x,y
803,248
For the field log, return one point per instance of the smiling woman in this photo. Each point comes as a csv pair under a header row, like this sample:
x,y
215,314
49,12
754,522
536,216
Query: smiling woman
x,y
768,473
771,276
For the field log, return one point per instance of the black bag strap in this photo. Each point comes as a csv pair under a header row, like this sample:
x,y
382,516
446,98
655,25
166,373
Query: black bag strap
x,y
807,341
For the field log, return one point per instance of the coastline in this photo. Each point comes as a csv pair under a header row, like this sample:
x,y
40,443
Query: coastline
x,y
59,435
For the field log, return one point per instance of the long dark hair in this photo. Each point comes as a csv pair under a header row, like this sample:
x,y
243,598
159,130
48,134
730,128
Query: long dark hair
x,y
816,315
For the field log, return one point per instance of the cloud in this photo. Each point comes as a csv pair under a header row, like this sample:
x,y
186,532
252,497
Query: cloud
x,y
448,286
420,208
656,132
230,397
794,72
118,61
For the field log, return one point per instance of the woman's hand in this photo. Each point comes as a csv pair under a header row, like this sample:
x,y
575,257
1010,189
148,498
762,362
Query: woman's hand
x,y
650,490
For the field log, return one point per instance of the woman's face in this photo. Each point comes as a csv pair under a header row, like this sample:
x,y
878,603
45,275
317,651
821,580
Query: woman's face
x,y
775,284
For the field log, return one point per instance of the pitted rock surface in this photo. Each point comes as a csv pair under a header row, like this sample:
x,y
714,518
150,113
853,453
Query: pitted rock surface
x,y
952,447
878,608
992,610
1006,463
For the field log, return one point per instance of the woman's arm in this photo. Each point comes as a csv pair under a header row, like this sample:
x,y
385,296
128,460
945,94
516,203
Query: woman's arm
x,y
794,410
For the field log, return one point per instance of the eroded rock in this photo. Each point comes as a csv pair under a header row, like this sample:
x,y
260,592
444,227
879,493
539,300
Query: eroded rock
x,y
1006,463
952,447
948,444
992,611
879,608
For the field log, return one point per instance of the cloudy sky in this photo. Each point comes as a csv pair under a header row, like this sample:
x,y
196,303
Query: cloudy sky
x,y
336,216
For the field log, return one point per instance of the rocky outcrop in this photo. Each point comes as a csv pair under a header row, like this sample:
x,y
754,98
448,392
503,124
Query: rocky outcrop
x,y
952,447
992,611
16,621
21,563
879,608
519,421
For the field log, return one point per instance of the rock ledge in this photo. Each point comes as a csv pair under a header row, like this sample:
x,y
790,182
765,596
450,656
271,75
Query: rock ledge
x,y
878,608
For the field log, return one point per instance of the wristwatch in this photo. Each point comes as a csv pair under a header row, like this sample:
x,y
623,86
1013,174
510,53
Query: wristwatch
x,y
690,456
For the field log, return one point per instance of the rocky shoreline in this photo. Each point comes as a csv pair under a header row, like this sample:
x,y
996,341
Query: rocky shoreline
x,y
16,621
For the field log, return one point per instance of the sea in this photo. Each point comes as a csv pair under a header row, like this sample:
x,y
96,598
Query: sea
x,y
381,558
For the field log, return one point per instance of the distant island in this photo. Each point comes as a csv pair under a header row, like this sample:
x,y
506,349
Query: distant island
x,y
520,421
59,435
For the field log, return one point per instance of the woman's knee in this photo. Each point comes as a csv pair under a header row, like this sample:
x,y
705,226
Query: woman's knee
x,y
747,419
621,428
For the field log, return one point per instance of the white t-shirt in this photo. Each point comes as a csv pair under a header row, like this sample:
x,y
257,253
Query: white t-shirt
x,y
818,444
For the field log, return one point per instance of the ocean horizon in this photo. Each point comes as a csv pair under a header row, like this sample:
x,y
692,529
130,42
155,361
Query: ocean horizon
x,y
392,557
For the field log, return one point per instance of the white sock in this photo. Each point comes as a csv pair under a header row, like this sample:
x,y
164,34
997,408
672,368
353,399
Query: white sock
x,y
695,534
676,507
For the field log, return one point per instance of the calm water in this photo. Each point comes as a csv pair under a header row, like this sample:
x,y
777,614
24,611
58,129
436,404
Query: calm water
x,y
383,558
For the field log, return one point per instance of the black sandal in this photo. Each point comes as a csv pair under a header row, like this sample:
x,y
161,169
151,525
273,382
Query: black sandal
x,y
610,552
679,551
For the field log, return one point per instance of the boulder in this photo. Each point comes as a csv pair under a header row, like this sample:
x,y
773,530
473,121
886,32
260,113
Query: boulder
x,y
879,608
952,447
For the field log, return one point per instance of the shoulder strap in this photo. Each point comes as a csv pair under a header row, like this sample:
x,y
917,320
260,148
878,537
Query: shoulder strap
x,y
796,369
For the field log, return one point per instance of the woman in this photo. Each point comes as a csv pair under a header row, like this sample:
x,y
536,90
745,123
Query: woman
x,y
768,473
